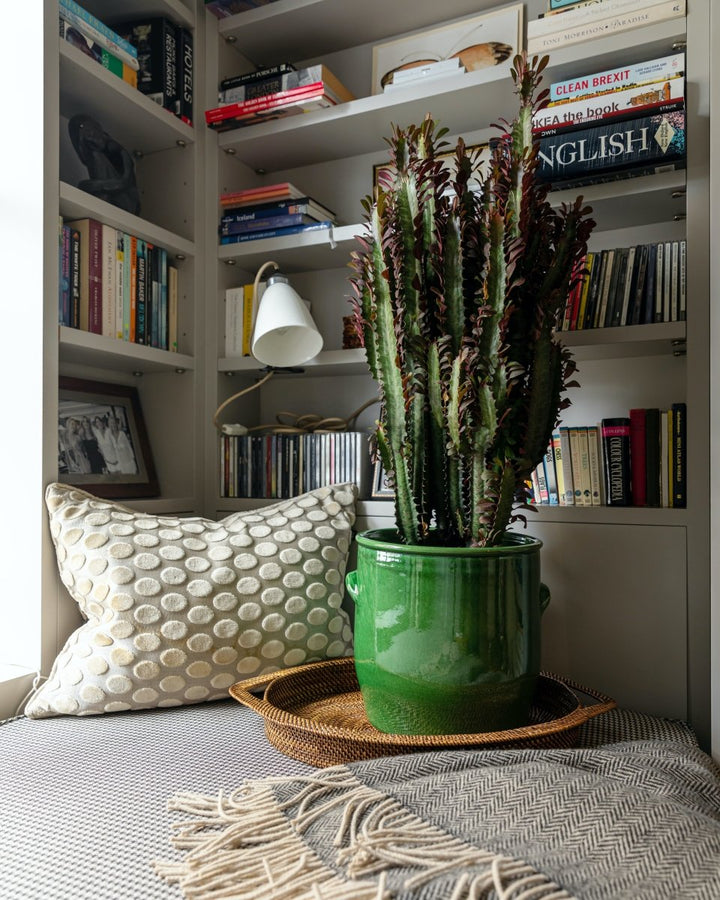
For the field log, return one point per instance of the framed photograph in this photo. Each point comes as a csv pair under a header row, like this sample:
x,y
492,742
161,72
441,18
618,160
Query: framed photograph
x,y
103,446
479,42
483,151
380,487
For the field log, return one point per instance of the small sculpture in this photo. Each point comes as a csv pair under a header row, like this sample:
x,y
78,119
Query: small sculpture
x,y
110,166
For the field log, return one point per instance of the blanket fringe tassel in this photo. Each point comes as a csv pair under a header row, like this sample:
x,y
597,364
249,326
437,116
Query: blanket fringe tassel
x,y
248,846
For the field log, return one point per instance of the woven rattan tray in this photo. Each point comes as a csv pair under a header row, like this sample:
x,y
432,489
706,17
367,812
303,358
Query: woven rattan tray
x,y
315,714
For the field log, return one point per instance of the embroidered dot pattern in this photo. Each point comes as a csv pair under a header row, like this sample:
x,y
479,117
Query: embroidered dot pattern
x,y
178,610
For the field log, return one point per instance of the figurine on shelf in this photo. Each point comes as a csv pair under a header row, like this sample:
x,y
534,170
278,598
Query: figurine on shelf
x,y
110,166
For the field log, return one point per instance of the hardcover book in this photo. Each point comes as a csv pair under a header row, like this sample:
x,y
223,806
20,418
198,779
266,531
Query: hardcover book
x,y
619,78
638,474
616,460
678,455
641,144
156,43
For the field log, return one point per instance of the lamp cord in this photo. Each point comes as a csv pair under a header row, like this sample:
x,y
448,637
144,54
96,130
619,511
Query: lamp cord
x,y
300,423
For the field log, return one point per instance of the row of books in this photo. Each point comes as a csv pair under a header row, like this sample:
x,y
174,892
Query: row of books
x,y
629,286
573,23
613,124
154,55
240,312
281,466
258,96
270,211
116,284
638,460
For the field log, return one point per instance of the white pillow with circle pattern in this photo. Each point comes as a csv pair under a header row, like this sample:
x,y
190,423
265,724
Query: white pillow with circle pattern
x,y
178,609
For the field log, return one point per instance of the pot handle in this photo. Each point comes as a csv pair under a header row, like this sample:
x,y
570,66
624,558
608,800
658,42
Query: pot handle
x,y
544,597
352,585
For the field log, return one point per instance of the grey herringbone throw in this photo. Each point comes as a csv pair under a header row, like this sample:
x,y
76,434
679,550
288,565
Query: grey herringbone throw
x,y
638,820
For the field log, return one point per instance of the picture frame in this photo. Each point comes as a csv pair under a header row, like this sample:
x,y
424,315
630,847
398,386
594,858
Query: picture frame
x,y
480,42
380,487
103,446
482,149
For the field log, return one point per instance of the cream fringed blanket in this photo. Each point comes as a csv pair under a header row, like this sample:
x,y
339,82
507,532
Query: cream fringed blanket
x,y
632,820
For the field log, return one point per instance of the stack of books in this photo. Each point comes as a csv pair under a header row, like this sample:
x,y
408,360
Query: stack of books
x,y
613,124
165,54
275,93
636,285
284,465
116,284
572,21
94,38
635,460
274,210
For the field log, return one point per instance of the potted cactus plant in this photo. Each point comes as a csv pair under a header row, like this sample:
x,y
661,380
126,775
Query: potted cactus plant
x,y
457,295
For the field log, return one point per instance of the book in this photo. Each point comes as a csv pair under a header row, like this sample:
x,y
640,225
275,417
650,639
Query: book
x,y
604,296
155,40
264,224
119,284
295,79
638,474
63,272
74,278
635,312
132,324
613,105
101,33
266,193
108,280
678,455
551,480
594,456
583,15
172,303
644,143
268,209
580,463
142,292
275,232
649,298
665,445
682,282
626,289
659,281
185,62
624,21
90,275
566,466
234,298
617,79
267,72
674,281
652,457
85,43
616,460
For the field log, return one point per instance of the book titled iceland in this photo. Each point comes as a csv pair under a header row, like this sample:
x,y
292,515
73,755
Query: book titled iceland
x,y
646,144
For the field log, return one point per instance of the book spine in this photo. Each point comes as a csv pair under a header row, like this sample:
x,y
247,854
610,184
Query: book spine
x,y
282,84
74,278
556,445
266,223
108,279
259,75
679,465
551,477
620,77
172,291
580,466
274,232
616,460
233,321
659,276
99,31
281,98
186,74
638,473
566,458
660,12
665,445
253,212
142,283
594,456
163,292
603,149
132,324
682,282
674,281
64,232
585,15
652,457
248,318
90,47
637,100
119,284
156,44
95,272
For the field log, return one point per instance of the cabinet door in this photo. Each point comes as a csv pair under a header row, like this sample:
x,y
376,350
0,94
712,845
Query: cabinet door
x,y
617,620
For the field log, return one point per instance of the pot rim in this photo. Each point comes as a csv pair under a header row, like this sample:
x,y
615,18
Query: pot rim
x,y
382,539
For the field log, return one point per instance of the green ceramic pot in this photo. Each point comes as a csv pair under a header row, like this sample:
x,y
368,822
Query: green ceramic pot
x,y
447,639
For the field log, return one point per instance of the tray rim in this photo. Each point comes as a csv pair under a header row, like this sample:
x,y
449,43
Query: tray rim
x,y
240,691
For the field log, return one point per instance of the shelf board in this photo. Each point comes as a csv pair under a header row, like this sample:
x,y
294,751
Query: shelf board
x,y
84,348
607,515
327,362
273,33
625,342
77,204
327,249
131,117
360,126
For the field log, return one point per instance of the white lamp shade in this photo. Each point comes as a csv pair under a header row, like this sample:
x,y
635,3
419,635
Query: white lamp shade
x,y
285,333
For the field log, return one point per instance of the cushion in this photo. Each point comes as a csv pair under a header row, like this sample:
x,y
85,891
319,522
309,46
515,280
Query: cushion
x,y
178,609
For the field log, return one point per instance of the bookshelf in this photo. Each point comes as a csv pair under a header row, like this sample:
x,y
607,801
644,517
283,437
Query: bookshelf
x,y
641,572
631,611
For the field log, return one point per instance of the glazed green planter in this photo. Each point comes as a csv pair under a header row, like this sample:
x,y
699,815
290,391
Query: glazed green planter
x,y
447,640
